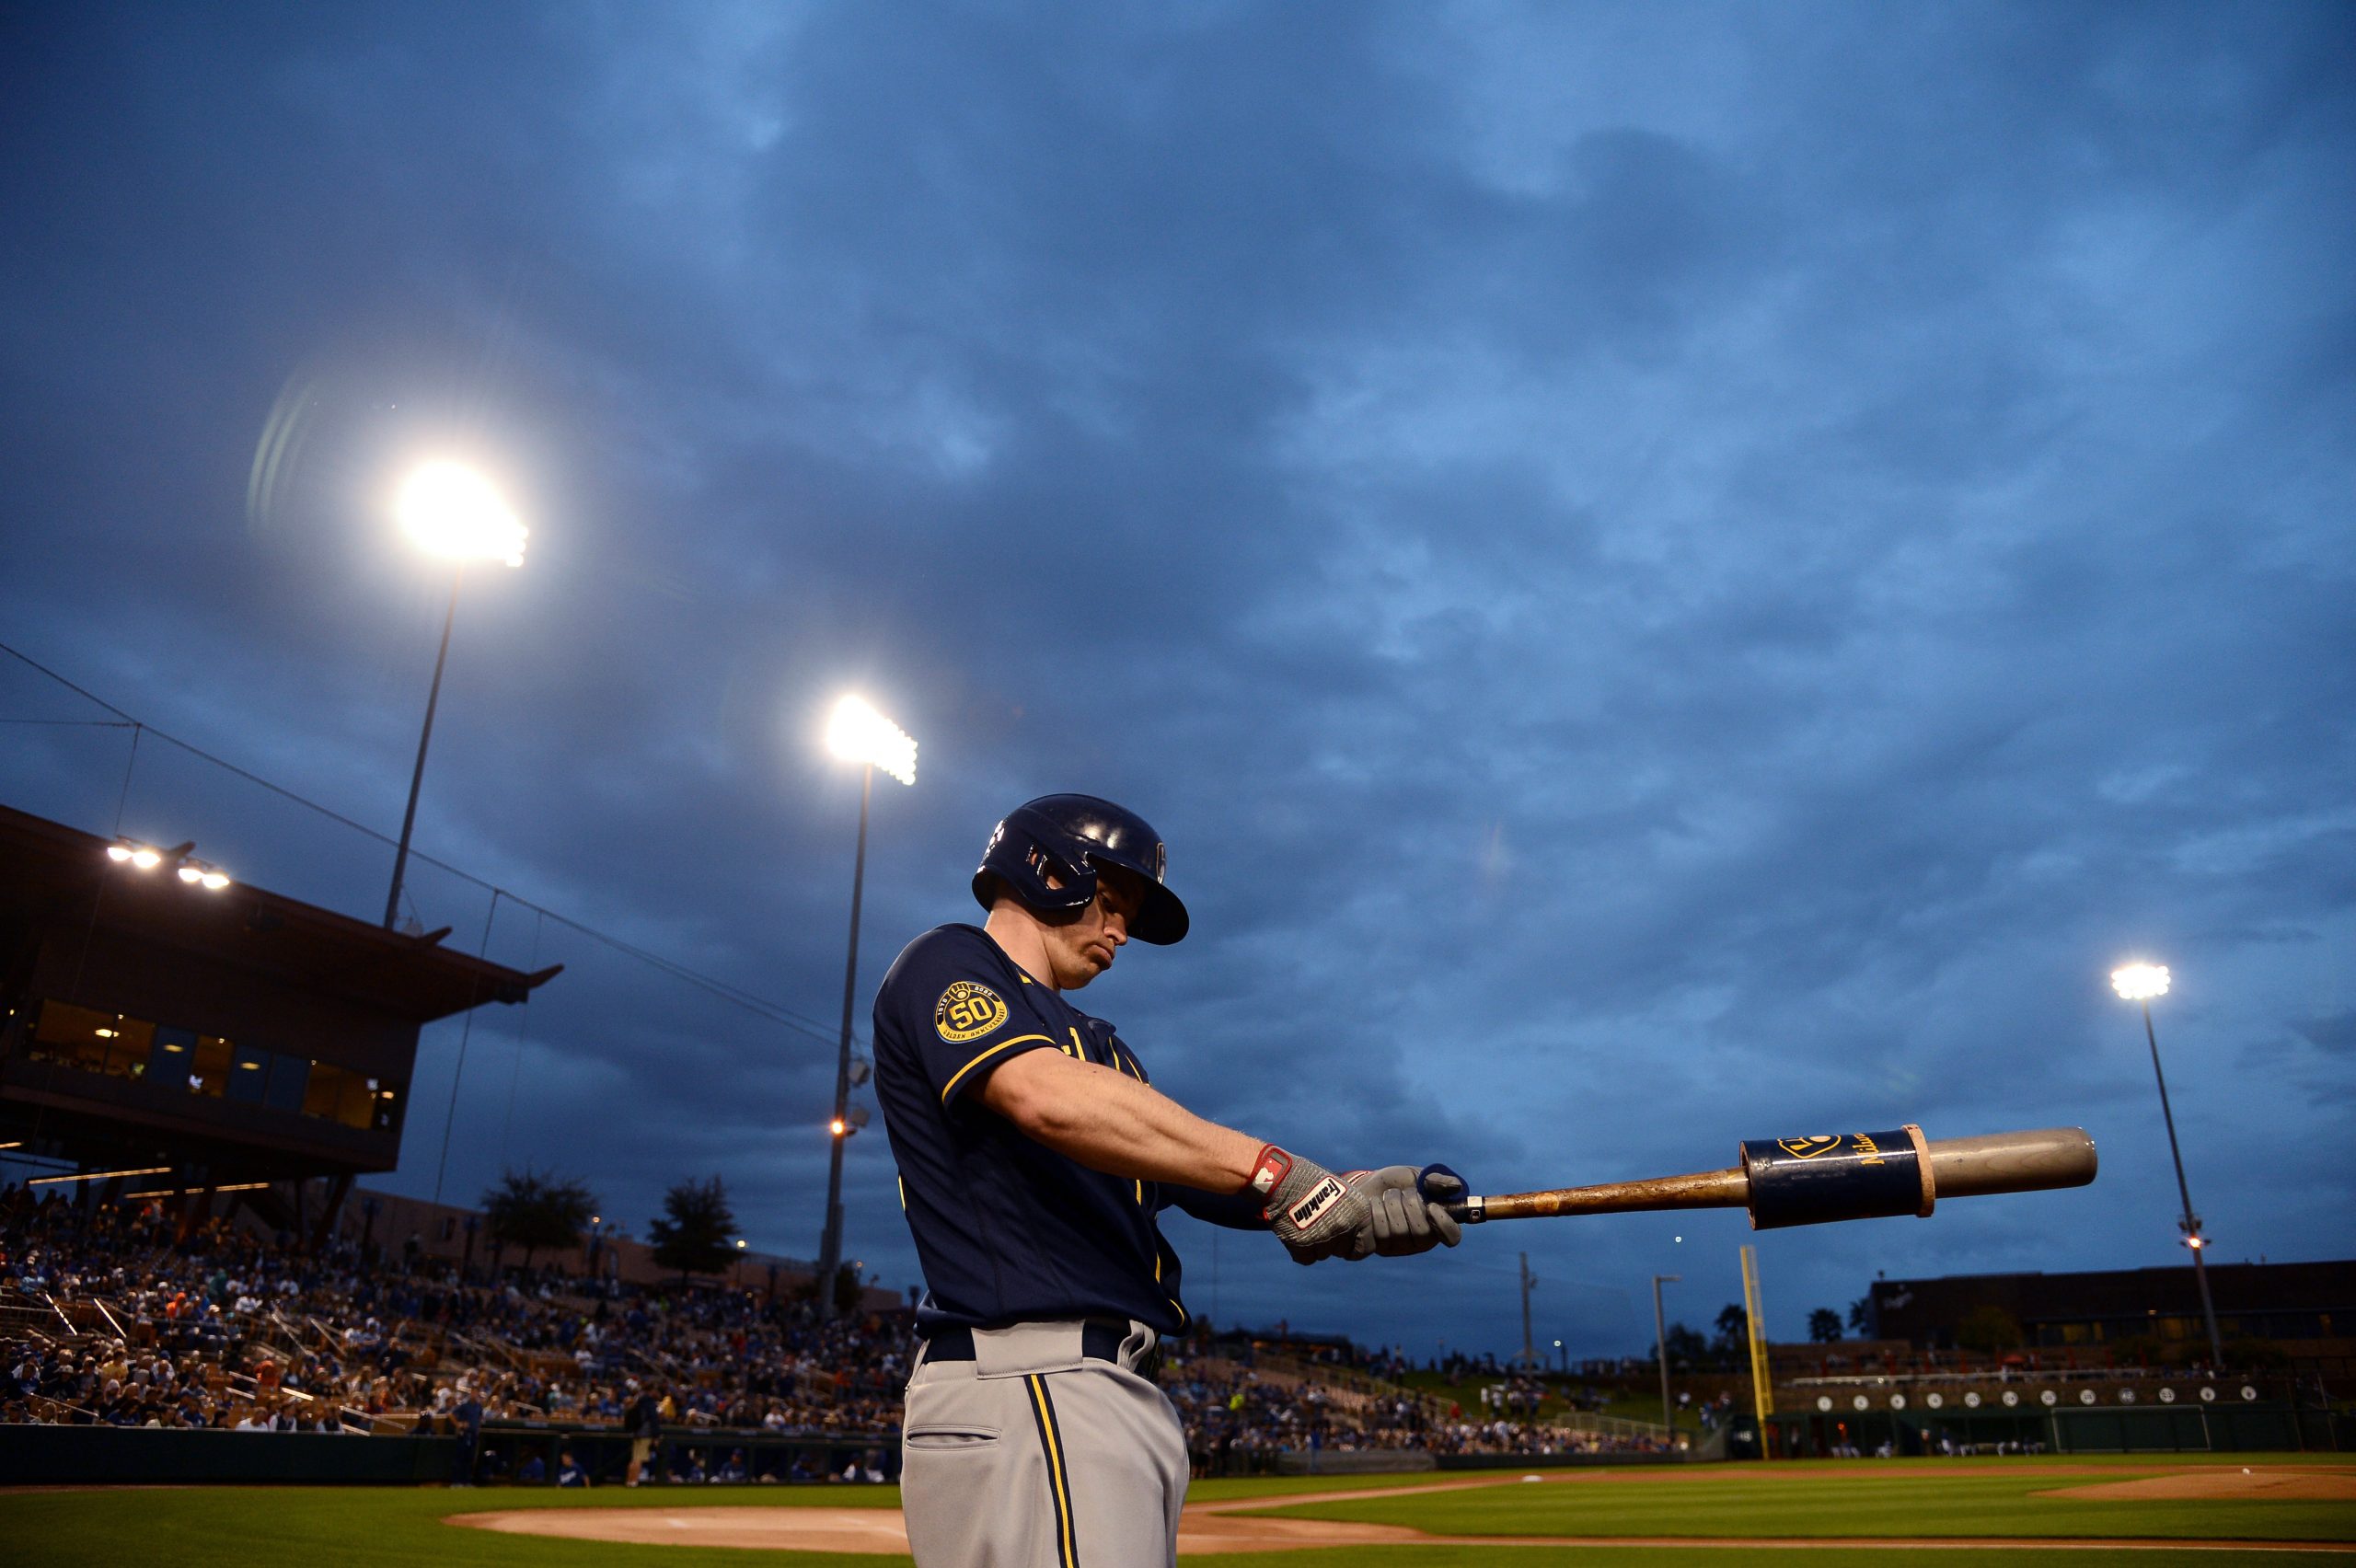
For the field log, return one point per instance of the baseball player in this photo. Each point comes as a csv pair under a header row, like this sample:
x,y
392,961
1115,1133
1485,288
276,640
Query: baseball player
x,y
1034,1157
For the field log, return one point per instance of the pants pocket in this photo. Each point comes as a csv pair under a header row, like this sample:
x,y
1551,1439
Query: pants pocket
x,y
947,1438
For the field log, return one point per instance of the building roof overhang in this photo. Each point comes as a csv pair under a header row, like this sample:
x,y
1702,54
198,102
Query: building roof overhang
x,y
50,872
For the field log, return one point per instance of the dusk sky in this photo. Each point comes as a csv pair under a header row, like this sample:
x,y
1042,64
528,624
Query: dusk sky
x,y
1669,573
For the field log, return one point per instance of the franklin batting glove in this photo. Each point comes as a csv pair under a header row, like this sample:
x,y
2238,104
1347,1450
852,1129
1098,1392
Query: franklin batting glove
x,y
1316,1214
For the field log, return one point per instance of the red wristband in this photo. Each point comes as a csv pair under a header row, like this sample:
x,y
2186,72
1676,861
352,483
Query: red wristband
x,y
1273,1166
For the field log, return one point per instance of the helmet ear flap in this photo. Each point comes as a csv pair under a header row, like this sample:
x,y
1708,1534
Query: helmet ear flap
x,y
1075,876
1023,856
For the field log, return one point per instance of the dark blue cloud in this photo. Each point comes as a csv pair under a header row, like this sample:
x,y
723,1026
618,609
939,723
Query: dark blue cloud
x,y
1669,577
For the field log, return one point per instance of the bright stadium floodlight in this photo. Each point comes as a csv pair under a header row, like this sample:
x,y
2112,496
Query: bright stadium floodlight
x,y
450,511
858,733
118,853
198,874
147,859
2139,983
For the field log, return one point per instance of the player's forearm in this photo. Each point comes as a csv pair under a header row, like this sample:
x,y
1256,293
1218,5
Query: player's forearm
x,y
1112,1123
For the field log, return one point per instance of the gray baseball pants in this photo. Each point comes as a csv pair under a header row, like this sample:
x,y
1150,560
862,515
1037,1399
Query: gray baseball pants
x,y
1032,1455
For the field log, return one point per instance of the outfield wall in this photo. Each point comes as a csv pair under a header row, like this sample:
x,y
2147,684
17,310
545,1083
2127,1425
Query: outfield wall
x,y
133,1455
2265,1426
1548,1461
1416,1461
139,1456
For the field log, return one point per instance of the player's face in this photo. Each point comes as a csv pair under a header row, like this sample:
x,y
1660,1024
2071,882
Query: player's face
x,y
1081,948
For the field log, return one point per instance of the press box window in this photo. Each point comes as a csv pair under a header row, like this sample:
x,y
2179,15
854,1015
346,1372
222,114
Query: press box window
x,y
91,1041
289,1076
336,1094
386,1099
172,1058
208,1072
249,1073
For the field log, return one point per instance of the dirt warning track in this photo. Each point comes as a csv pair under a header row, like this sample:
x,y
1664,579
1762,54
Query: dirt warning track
x,y
1228,1523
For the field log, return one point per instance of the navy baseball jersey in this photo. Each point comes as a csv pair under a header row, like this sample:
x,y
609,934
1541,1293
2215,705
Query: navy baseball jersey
x,y
1007,1230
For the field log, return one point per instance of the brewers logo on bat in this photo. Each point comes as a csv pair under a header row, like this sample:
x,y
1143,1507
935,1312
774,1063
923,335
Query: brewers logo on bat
x,y
967,1010
1806,1181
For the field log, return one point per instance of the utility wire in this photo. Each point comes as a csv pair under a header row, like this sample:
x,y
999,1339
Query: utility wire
x,y
458,1073
735,995
523,1030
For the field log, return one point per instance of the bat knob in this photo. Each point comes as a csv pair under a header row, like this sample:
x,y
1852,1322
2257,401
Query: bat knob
x,y
1440,1184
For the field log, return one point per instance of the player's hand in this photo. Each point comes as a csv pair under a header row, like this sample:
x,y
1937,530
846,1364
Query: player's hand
x,y
1316,1214
1405,1219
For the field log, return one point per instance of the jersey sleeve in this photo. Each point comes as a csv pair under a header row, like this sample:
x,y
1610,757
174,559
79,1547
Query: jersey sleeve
x,y
953,1011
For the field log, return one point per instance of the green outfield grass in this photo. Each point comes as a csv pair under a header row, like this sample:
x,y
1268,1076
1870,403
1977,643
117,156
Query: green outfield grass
x,y
374,1528
1830,1497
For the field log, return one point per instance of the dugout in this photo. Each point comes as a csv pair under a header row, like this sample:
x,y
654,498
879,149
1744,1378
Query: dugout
x,y
163,1037
684,1454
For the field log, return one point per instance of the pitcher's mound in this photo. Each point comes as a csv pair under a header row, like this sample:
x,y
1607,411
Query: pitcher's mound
x,y
879,1529
2264,1483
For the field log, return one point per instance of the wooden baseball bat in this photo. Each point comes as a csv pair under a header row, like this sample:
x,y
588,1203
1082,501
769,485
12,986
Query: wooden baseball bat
x,y
1812,1180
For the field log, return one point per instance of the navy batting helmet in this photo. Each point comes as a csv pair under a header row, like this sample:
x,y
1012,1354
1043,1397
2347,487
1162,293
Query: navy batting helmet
x,y
1069,836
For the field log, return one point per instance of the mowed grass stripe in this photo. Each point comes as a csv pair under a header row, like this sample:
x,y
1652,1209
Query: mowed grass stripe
x,y
1855,1499
242,1527
372,1528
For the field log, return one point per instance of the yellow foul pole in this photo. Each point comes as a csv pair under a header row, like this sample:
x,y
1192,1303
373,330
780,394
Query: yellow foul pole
x,y
1762,1395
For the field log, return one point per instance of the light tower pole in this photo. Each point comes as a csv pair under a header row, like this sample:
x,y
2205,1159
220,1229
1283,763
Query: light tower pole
x,y
1529,1357
452,512
1660,1343
2140,983
856,733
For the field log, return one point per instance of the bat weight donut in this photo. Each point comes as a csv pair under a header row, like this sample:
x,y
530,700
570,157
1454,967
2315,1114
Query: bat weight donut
x,y
1826,1177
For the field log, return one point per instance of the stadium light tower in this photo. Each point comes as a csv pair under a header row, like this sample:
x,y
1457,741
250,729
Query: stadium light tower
x,y
1660,1342
2140,983
857,733
450,510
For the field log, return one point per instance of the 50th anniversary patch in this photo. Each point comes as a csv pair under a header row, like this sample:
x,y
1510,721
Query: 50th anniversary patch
x,y
967,1010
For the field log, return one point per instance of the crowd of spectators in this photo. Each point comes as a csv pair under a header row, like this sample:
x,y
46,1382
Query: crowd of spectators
x,y
1239,1419
106,1317
109,1315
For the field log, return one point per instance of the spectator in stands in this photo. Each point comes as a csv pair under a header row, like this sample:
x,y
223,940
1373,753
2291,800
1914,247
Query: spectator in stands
x,y
466,1426
644,1424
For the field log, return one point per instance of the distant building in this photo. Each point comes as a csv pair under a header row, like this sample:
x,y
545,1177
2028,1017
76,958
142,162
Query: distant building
x,y
159,1036
2305,1310
2262,1301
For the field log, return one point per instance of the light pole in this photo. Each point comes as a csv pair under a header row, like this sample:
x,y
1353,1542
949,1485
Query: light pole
x,y
2140,983
1660,1343
452,512
856,733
